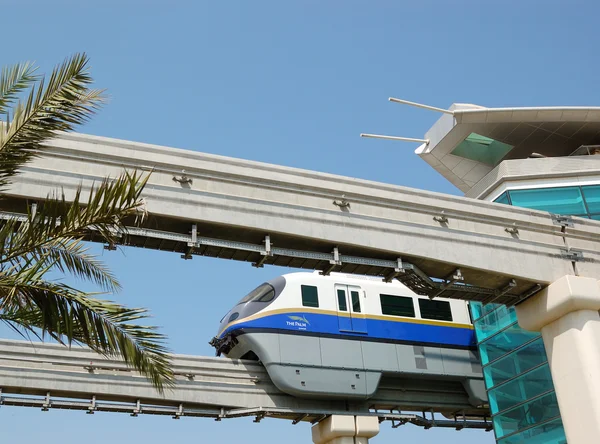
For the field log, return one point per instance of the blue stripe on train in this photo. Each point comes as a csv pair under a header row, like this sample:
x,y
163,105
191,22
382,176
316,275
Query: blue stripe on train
x,y
375,328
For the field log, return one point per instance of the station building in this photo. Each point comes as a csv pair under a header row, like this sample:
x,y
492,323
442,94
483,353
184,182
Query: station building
x,y
540,158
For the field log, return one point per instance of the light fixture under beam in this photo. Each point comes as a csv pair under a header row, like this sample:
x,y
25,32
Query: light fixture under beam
x,y
404,139
419,105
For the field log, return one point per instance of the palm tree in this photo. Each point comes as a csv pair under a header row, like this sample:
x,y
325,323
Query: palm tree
x,y
50,237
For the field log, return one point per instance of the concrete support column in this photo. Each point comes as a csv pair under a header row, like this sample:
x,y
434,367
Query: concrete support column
x,y
338,429
567,315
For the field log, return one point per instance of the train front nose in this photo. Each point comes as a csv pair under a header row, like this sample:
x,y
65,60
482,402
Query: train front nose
x,y
249,305
222,342
217,341
223,322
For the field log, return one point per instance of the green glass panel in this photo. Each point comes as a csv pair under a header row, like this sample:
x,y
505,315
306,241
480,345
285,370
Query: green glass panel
x,y
478,309
520,361
526,415
515,391
494,321
482,149
564,200
551,432
503,199
592,198
504,342
596,217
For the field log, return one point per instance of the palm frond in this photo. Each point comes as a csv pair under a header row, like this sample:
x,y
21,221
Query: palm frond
x,y
70,255
107,206
66,101
21,328
52,238
13,80
69,315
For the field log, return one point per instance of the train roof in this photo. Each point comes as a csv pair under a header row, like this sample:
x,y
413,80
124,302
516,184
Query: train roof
x,y
345,277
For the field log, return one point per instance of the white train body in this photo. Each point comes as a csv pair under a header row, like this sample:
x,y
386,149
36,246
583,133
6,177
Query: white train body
x,y
337,335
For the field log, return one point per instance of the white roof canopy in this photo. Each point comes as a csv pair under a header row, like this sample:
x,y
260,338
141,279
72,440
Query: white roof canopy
x,y
466,145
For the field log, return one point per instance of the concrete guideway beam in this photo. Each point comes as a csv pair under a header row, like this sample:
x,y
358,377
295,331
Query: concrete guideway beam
x,y
208,386
338,429
567,315
245,201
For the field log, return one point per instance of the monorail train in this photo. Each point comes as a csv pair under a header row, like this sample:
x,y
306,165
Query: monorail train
x,y
335,336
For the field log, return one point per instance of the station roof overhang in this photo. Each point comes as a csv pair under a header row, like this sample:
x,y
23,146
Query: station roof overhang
x,y
468,142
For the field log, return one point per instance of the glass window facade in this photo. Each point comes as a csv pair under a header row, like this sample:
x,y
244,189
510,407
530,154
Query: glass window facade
x,y
517,378
592,198
515,365
582,201
548,432
503,199
524,358
567,200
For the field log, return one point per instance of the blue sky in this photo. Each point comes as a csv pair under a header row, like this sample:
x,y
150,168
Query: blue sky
x,y
292,83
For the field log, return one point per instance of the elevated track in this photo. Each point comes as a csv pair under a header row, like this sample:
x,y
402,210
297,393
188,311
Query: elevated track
x,y
214,206
50,376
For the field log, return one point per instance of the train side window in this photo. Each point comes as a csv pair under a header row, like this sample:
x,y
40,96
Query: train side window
x,y
341,295
355,301
438,310
310,296
397,305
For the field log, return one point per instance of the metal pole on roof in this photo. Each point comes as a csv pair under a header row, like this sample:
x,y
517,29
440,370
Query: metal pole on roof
x,y
420,105
404,139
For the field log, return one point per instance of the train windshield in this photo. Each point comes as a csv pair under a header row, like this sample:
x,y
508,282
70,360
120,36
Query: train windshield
x,y
262,293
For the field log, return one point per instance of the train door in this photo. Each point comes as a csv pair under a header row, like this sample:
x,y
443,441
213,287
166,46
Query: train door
x,y
350,310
